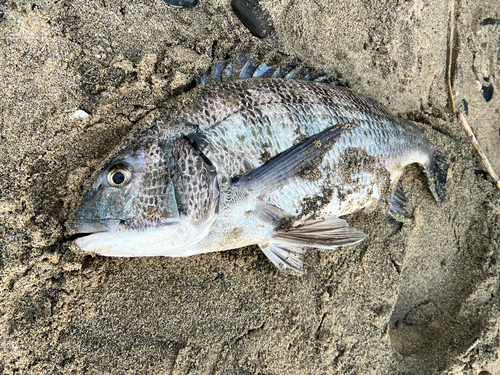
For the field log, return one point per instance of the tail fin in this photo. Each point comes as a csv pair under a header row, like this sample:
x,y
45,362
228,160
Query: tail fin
x,y
437,171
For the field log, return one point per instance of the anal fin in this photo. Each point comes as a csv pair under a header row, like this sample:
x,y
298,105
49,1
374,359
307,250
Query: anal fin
x,y
284,256
327,233
398,202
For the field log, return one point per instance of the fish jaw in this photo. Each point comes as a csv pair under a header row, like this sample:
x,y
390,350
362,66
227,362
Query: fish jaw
x,y
118,244
175,240
96,226
99,232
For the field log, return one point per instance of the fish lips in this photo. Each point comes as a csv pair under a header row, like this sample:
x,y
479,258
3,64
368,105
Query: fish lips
x,y
96,226
86,228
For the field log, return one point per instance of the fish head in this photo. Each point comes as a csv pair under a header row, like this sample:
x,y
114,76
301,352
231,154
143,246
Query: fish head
x,y
154,198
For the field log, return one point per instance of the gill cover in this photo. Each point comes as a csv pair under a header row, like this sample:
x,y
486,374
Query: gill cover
x,y
195,180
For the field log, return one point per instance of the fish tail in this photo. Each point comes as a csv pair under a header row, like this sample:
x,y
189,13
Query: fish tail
x,y
437,172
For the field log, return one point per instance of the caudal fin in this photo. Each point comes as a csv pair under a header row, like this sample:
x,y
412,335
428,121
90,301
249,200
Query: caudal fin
x,y
437,171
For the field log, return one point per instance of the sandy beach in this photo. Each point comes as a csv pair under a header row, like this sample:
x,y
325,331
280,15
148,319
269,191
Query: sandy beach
x,y
421,297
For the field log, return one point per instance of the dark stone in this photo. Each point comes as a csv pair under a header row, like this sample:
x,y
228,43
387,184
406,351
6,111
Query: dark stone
x,y
466,107
182,3
487,92
254,17
490,21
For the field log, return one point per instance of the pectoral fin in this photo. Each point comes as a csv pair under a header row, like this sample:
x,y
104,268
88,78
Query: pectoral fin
x,y
271,214
293,162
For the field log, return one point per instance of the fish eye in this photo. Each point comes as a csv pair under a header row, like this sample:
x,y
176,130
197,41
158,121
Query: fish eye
x,y
119,175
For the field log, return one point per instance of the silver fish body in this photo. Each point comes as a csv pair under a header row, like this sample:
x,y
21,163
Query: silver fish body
x,y
271,162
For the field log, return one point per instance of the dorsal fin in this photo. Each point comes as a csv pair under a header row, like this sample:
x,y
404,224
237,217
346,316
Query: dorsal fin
x,y
242,67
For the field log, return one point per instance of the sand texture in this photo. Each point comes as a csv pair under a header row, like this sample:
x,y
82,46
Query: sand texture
x,y
421,297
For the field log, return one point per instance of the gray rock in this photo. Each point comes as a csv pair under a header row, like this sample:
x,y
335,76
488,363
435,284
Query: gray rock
x,y
182,3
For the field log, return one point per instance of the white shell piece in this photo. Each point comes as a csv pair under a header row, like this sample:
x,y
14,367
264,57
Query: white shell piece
x,y
80,114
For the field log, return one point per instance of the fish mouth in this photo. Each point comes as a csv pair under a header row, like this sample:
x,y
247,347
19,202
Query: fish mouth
x,y
88,231
86,227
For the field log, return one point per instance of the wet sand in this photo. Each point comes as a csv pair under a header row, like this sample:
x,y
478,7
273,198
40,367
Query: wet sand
x,y
420,297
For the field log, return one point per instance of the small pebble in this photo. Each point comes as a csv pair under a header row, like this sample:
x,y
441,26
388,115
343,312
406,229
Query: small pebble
x,y
182,3
80,114
466,107
490,21
487,92
254,17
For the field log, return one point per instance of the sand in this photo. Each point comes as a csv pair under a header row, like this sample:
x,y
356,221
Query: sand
x,y
419,297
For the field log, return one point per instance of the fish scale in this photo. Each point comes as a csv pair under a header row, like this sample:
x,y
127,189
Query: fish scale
x,y
228,142
280,125
234,96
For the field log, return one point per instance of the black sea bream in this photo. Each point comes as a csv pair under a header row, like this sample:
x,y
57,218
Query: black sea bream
x,y
272,162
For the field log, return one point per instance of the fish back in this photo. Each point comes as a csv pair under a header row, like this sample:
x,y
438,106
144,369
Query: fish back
x,y
234,96
244,123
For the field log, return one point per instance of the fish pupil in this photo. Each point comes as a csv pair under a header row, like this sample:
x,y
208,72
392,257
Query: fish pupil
x,y
118,178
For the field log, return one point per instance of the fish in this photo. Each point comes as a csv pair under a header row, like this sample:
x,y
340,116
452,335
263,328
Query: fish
x,y
259,161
